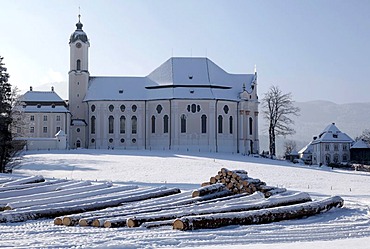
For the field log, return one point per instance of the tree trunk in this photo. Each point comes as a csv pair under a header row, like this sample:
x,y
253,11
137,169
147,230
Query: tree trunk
x,y
259,216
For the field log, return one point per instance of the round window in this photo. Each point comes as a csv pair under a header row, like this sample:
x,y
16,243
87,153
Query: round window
x,y
123,108
134,108
92,140
78,129
133,140
111,140
122,140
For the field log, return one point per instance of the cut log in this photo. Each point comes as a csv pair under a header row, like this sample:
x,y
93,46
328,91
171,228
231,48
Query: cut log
x,y
58,221
206,190
26,180
53,210
78,193
52,186
267,215
205,184
211,209
24,186
69,187
274,192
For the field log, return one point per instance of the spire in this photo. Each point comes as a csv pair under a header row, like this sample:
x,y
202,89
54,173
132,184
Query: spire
x,y
79,24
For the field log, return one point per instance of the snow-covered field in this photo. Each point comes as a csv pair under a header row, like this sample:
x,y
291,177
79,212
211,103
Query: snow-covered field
x,y
348,227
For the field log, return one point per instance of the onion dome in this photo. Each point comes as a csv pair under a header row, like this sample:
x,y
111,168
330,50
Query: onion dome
x,y
79,34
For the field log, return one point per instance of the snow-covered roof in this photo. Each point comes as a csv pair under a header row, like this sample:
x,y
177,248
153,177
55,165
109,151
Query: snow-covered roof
x,y
45,109
360,144
186,78
60,133
307,149
78,122
41,96
332,134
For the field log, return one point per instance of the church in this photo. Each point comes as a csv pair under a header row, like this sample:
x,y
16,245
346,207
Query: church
x,y
187,103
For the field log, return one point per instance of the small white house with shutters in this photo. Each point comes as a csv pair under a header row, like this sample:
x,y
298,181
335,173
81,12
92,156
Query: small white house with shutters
x,y
331,146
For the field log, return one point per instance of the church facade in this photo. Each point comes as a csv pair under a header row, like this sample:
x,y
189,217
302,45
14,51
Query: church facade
x,y
185,104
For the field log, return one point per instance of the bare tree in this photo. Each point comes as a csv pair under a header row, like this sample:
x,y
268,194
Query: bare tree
x,y
365,136
277,107
289,146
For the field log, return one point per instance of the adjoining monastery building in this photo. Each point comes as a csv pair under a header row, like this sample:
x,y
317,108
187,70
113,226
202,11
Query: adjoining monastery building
x,y
184,104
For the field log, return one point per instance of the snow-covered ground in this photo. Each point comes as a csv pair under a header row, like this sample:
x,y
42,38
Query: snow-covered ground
x,y
348,227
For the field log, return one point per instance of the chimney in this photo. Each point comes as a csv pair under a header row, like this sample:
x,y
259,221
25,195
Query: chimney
x,y
52,89
31,88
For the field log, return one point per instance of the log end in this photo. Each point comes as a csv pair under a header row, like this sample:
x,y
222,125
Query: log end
x,y
131,222
195,193
107,224
58,221
67,221
82,222
178,225
7,207
96,223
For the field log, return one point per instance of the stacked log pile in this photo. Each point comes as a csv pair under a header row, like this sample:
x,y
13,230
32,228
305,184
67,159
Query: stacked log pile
x,y
238,181
229,198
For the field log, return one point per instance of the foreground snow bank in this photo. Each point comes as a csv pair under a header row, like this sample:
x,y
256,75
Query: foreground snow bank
x,y
346,227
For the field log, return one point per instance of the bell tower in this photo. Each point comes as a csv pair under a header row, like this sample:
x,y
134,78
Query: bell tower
x,y
78,84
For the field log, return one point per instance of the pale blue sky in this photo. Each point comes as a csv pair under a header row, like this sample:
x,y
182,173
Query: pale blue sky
x,y
316,49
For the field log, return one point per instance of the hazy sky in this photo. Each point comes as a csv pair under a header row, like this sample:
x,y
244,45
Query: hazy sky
x,y
316,49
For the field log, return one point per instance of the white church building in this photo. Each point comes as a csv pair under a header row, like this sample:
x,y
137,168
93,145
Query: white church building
x,y
184,104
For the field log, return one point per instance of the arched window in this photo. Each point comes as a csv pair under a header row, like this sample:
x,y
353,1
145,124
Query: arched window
x,y
92,125
204,123
153,124
165,124
78,144
231,125
78,64
93,108
183,123
111,108
250,126
110,124
134,125
220,121
122,124
336,158
327,159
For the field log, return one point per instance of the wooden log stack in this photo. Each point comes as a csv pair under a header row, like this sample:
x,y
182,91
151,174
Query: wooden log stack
x,y
238,182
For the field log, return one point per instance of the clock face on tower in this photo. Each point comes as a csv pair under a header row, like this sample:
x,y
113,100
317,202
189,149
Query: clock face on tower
x,y
78,45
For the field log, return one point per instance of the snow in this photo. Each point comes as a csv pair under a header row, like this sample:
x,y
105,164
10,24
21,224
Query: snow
x,y
41,96
348,227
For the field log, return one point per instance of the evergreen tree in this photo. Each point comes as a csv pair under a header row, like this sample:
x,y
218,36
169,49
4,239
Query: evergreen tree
x,y
5,118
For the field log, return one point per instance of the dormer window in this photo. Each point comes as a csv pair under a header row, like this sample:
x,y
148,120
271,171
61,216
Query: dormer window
x,y
53,106
190,77
38,105
335,135
120,91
